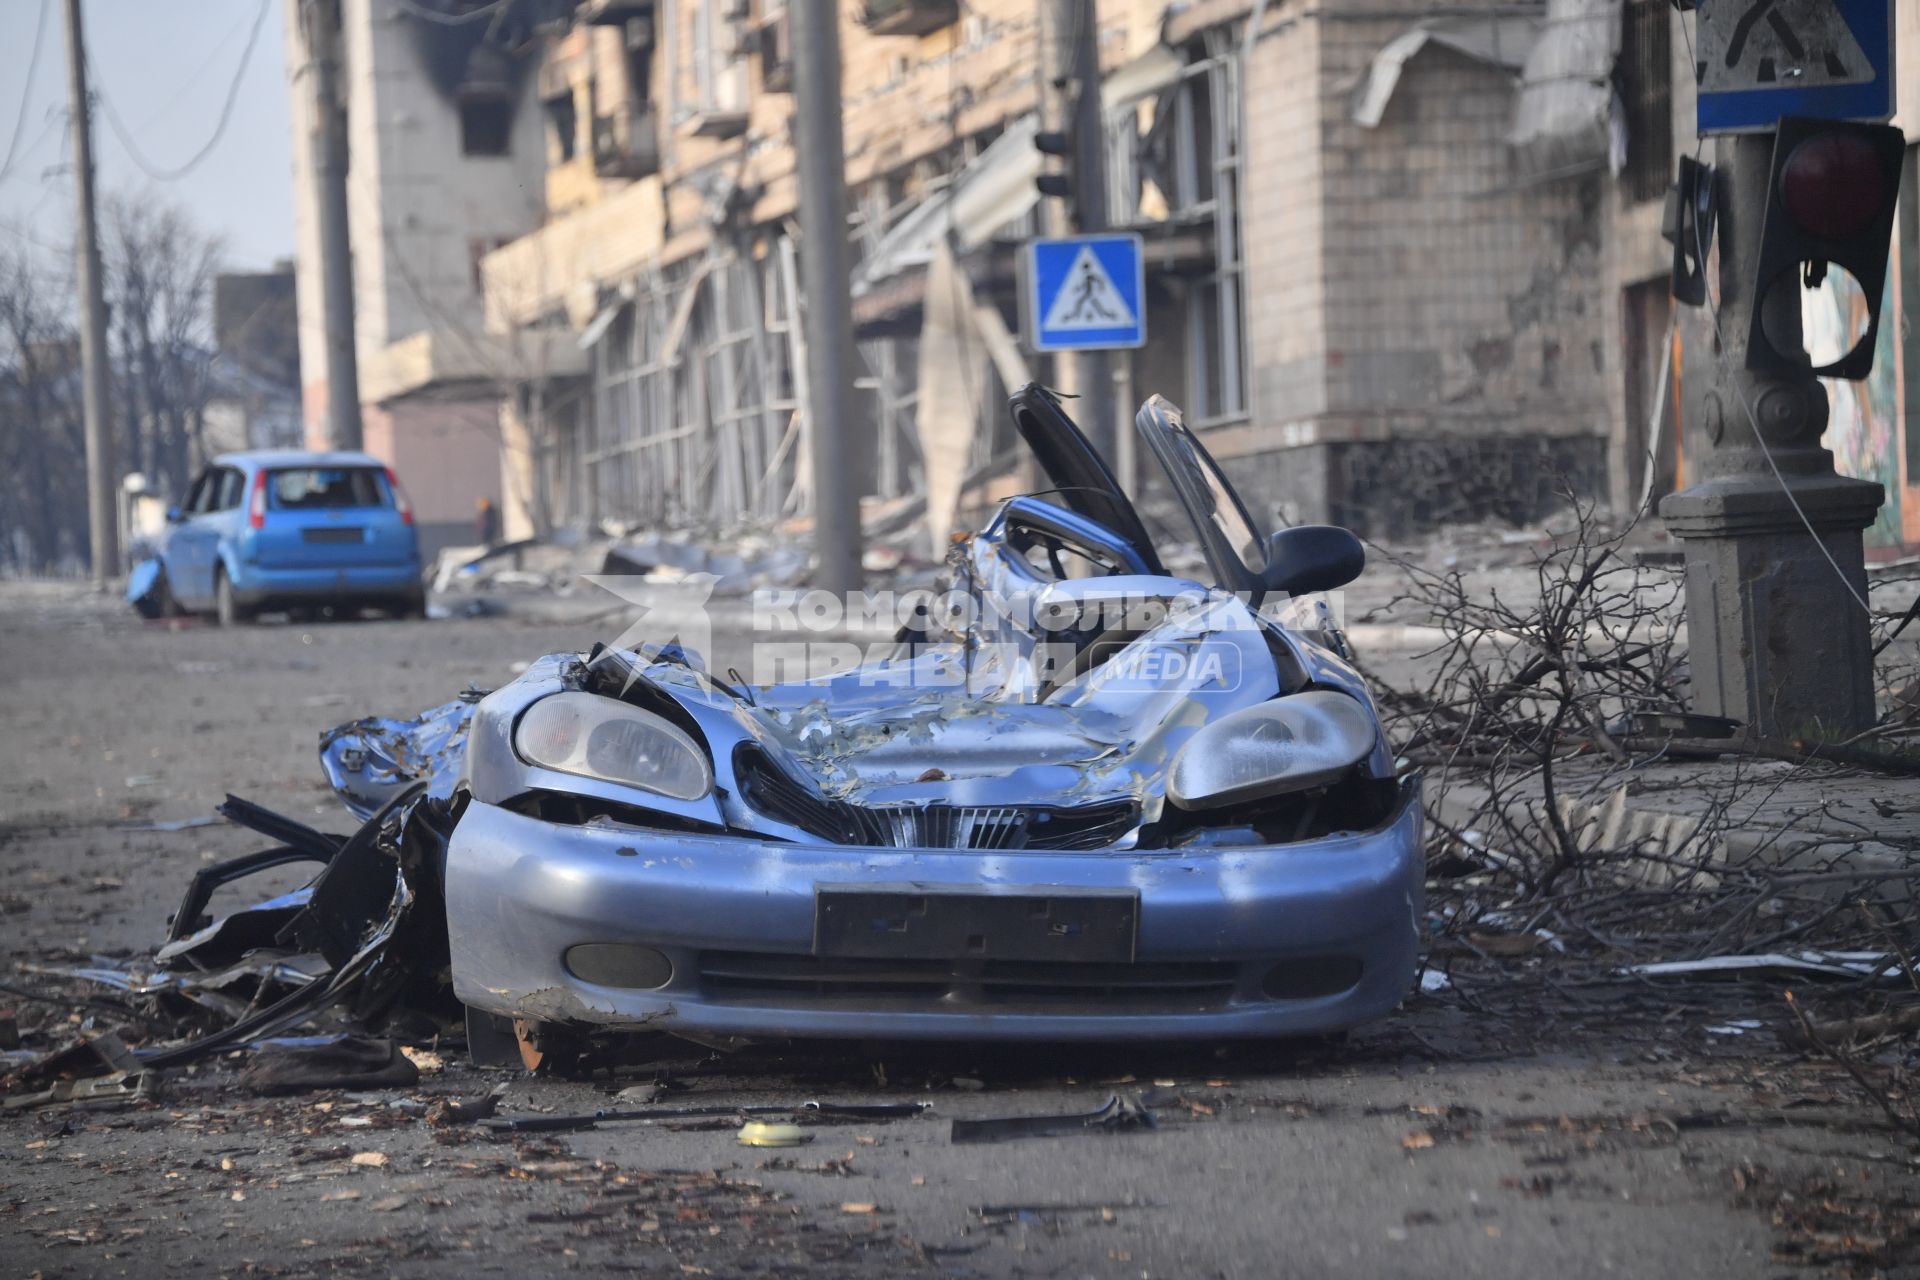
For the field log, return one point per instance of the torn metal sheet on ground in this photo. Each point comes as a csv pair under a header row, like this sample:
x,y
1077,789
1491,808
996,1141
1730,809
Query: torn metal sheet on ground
x,y
93,1091
349,1062
282,963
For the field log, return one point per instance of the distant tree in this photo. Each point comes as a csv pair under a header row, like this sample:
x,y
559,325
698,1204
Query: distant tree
x,y
160,269
43,511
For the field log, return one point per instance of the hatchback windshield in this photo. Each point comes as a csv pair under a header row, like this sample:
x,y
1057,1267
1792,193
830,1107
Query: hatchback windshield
x,y
322,488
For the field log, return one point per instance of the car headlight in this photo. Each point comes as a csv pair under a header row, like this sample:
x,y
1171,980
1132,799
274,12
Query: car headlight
x,y
1290,744
596,737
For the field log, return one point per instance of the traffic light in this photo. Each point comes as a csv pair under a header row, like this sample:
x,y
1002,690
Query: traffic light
x,y
1048,143
1830,197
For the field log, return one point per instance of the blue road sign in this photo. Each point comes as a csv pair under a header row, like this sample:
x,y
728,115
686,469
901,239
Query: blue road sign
x,y
1086,293
1759,60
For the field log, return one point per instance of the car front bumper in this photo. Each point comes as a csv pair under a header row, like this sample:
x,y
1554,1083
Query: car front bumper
x,y
736,917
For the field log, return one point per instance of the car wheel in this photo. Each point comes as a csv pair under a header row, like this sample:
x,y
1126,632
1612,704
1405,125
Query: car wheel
x,y
414,607
226,607
169,607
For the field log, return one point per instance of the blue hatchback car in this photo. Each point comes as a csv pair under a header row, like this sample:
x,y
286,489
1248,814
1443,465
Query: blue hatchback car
x,y
289,529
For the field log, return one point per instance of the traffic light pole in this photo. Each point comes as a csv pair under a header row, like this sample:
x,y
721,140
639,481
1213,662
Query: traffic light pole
x,y
1778,634
321,29
1070,106
824,278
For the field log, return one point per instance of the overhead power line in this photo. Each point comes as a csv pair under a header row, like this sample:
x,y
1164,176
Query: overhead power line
x,y
159,173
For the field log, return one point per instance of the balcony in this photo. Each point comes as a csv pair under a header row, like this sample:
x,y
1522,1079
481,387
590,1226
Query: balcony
x,y
910,17
626,145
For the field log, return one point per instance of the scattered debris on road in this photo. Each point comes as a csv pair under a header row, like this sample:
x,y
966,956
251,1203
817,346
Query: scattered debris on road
x,y
1120,1113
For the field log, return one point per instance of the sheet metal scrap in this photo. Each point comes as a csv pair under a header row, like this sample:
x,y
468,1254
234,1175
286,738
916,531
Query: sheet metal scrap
x,y
1120,1113
92,1071
97,1091
366,935
370,761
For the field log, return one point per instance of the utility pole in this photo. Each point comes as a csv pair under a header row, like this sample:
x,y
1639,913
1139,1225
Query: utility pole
x,y
327,153
820,148
1777,635
103,527
1070,108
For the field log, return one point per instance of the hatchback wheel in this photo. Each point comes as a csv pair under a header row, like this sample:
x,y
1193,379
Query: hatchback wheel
x,y
229,610
169,606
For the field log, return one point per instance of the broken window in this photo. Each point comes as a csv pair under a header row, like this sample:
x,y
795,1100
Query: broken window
x,y
638,42
776,47
1188,171
563,126
486,127
1646,91
719,69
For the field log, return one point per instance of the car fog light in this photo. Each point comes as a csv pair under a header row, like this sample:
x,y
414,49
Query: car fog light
x,y
1309,977
619,964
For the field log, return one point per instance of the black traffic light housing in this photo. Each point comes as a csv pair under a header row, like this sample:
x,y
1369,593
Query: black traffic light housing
x,y
1053,143
1831,192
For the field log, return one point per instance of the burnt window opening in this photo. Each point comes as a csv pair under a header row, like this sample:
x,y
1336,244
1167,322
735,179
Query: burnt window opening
x,y
486,127
563,122
776,48
639,63
1646,91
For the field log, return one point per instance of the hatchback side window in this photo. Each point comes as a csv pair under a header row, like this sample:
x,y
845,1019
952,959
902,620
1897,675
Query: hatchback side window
x,y
200,497
232,486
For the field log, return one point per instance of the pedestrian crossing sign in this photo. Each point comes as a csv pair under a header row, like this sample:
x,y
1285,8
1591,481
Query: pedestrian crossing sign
x,y
1085,293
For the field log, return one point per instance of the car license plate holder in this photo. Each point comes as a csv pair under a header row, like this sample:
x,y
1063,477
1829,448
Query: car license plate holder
x,y
944,922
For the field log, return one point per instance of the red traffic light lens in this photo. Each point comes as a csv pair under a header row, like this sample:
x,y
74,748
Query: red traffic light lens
x,y
1833,185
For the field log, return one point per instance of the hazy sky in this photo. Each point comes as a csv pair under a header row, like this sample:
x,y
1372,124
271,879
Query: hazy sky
x,y
165,66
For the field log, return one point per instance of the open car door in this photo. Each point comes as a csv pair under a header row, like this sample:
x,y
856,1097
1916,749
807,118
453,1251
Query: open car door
x,y
1081,481
1235,545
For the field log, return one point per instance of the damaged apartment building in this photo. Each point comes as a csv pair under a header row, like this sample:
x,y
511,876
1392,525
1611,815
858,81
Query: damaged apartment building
x,y
1404,263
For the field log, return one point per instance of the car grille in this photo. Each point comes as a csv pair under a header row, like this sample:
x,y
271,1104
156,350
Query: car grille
x,y
774,793
1178,986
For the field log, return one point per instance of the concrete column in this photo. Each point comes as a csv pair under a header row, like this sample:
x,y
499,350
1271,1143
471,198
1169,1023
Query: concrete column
x,y
1775,637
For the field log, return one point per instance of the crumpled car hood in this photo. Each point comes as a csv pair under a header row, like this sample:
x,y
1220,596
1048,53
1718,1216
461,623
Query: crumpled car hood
x,y
986,733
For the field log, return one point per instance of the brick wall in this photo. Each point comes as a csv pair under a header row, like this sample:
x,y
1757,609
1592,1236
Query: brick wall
x,y
447,454
1409,297
1284,216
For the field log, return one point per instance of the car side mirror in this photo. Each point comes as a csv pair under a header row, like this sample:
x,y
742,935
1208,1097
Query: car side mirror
x,y
175,515
1312,557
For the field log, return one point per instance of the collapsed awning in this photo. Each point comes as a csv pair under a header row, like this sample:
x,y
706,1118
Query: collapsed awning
x,y
996,188
1564,119
1501,41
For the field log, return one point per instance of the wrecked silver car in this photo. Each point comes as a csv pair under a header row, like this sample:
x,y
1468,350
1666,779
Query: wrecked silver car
x,y
1081,799
1078,797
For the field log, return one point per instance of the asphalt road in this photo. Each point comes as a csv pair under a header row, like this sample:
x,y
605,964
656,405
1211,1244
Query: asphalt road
x,y
1440,1143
